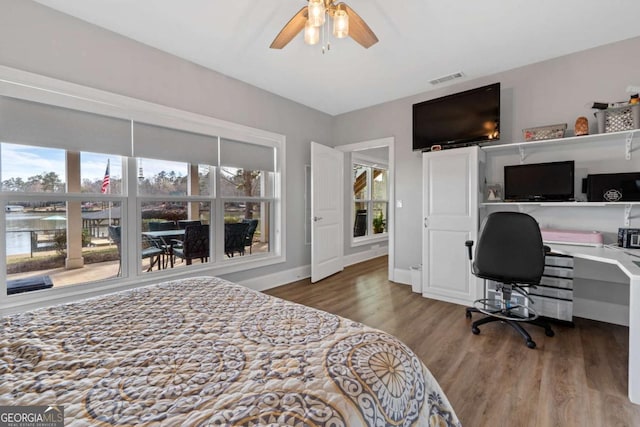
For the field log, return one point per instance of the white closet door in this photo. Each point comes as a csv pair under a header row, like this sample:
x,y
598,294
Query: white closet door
x,y
450,217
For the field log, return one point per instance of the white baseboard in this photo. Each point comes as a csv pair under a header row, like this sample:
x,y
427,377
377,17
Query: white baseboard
x,y
602,311
280,278
445,298
365,255
402,276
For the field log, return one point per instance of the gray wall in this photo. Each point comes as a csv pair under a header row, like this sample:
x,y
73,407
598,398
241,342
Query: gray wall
x,y
37,39
549,92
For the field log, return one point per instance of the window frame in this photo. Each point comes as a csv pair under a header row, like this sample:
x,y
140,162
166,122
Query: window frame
x,y
370,164
32,87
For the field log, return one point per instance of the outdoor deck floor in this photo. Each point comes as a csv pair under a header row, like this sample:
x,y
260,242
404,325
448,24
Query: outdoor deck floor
x,y
103,270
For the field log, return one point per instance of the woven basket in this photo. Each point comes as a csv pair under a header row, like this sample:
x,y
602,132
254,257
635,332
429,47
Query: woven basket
x,y
618,119
544,132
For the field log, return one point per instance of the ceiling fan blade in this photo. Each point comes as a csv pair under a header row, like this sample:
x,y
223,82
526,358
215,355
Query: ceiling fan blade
x,y
358,29
289,31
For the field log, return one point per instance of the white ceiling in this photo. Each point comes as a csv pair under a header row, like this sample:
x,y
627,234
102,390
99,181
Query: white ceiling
x,y
419,40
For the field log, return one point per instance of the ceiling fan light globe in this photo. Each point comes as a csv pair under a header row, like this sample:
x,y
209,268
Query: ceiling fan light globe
x,y
311,34
340,24
317,12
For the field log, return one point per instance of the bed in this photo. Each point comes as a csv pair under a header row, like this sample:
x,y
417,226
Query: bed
x,y
204,351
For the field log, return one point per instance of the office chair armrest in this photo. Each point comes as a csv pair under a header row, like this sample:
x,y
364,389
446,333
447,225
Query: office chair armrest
x,y
469,245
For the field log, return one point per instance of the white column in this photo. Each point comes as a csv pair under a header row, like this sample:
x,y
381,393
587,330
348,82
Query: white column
x,y
74,214
194,190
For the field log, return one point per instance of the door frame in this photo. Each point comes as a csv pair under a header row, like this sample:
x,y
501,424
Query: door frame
x,y
388,142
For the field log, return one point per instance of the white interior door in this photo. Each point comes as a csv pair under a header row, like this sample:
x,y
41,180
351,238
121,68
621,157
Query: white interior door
x,y
450,207
327,211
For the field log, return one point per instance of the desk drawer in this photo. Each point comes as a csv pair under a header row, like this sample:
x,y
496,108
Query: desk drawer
x,y
543,291
558,261
553,308
557,282
558,271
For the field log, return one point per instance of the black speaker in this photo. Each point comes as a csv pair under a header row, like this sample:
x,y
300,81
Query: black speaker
x,y
613,187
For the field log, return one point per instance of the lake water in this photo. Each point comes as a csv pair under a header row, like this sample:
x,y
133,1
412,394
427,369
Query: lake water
x,y
19,226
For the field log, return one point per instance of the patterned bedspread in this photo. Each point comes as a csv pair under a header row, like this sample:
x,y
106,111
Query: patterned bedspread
x,y
204,351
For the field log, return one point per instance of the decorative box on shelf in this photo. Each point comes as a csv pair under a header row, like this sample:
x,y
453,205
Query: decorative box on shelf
x,y
544,132
618,119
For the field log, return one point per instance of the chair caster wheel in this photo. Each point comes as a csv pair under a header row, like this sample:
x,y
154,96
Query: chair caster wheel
x,y
531,344
468,315
475,331
549,332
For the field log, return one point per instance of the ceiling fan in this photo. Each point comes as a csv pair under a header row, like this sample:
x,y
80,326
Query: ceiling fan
x,y
311,18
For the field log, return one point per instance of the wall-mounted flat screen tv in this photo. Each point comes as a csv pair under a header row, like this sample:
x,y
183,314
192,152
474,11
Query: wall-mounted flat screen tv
x,y
539,182
457,120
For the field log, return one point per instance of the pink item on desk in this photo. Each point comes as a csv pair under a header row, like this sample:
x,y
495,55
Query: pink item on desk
x,y
572,237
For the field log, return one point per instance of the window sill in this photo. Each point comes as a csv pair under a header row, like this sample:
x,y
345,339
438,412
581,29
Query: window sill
x,y
21,302
361,241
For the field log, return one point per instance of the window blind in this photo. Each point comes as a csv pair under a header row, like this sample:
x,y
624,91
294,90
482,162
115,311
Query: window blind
x,y
156,142
247,156
33,123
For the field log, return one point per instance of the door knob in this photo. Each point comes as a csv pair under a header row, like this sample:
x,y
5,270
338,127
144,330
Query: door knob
x,y
317,218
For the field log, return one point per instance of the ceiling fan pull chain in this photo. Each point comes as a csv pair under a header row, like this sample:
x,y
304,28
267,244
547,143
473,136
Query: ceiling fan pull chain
x,y
327,32
322,39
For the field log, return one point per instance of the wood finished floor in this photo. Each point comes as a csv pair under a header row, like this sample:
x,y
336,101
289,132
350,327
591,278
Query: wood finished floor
x,y
577,378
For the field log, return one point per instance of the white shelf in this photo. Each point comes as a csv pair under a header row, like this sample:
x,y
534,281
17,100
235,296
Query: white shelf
x,y
564,141
628,206
561,204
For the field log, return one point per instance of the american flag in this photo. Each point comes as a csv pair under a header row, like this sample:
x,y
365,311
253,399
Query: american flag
x,y
106,181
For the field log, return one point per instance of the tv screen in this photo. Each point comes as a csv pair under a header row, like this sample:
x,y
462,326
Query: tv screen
x,y
458,120
539,182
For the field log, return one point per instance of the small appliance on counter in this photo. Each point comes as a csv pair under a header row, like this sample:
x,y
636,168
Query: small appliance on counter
x,y
629,238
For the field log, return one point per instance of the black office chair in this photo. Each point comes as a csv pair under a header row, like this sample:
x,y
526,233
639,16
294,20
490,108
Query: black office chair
x,y
509,252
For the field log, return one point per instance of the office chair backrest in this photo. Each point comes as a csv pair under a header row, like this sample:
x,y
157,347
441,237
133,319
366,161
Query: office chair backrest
x,y
510,249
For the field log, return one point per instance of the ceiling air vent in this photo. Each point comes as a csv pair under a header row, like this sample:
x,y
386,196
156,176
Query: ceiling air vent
x,y
447,78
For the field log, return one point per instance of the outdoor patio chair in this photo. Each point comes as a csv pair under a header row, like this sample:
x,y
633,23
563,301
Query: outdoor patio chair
x,y
235,238
184,222
162,225
149,249
195,244
248,238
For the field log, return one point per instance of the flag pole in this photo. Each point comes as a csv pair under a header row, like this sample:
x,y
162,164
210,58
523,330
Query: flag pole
x,y
106,186
109,190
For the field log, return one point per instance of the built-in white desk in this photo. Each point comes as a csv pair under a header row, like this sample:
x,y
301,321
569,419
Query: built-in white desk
x,y
625,263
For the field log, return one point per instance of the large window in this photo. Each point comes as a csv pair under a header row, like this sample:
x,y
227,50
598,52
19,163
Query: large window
x,y
370,200
89,198
50,231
